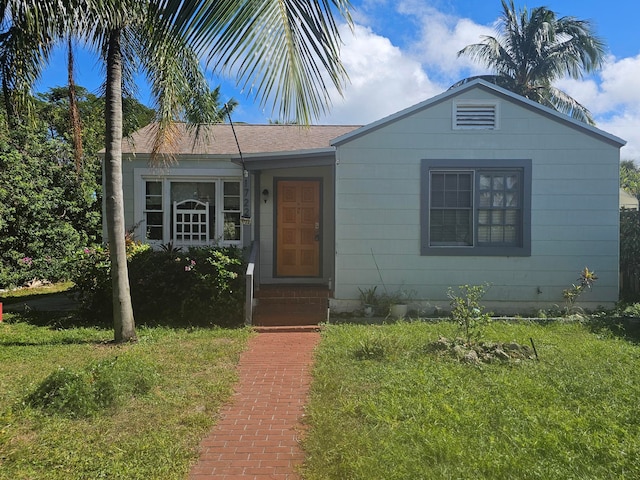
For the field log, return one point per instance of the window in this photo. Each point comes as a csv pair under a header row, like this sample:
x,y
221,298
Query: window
x,y
190,212
472,207
153,210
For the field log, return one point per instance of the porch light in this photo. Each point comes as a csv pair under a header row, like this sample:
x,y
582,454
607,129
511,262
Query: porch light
x,y
265,195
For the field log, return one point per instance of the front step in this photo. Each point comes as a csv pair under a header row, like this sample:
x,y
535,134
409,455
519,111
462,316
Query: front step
x,y
290,305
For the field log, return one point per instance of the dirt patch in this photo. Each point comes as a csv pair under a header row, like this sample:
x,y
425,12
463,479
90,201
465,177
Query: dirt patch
x,y
482,352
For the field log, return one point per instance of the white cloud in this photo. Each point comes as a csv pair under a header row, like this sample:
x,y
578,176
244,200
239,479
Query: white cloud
x,y
614,100
440,39
383,79
625,126
386,78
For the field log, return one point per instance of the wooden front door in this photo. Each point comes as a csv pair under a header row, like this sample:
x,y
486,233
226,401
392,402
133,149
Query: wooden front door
x,y
298,228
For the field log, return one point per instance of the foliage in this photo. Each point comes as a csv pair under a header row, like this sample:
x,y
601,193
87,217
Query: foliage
x,y
630,253
401,296
46,210
53,110
585,282
202,286
534,49
93,389
467,311
368,296
288,54
630,177
415,414
145,436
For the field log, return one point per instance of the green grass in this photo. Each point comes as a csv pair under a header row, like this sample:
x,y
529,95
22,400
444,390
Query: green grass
x,y
147,435
383,407
21,294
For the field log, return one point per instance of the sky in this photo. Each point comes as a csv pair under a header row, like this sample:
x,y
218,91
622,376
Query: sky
x,y
400,53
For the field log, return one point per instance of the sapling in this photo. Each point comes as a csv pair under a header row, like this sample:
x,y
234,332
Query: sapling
x,y
467,311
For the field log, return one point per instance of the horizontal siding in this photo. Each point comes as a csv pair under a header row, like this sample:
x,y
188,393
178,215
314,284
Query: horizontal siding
x,y
574,217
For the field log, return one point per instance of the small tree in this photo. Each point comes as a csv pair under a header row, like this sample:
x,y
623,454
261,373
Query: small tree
x,y
467,311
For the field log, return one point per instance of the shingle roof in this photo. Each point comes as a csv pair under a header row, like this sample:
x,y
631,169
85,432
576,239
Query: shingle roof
x,y
218,139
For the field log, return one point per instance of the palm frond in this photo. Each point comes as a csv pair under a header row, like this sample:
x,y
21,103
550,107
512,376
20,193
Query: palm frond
x,y
281,51
534,49
564,103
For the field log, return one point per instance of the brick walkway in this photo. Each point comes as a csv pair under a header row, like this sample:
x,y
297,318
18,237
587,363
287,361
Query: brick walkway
x,y
257,434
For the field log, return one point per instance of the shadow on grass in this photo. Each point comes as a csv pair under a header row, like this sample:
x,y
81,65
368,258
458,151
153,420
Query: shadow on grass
x,y
627,328
62,320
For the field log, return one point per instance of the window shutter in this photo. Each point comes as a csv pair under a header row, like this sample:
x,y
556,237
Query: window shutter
x,y
480,116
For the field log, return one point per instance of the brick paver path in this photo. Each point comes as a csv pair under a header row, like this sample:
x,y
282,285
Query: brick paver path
x,y
258,432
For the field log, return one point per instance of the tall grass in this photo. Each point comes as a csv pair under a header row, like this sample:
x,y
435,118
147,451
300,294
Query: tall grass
x,y
384,407
148,434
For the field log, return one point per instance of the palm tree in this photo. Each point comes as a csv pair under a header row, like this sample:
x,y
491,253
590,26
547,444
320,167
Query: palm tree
x,y
534,49
281,49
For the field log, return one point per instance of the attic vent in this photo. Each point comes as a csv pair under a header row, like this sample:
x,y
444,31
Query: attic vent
x,y
475,116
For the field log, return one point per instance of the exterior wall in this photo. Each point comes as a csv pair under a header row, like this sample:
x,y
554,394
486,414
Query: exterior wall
x,y
267,222
574,209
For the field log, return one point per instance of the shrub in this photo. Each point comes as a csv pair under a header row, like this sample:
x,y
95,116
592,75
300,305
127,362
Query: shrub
x,y
202,286
630,254
86,392
47,210
467,311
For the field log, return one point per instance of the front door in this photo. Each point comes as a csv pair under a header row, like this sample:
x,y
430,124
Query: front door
x,y
298,228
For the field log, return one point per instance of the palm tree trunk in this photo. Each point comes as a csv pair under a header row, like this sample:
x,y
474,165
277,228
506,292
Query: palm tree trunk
x,y
74,113
123,321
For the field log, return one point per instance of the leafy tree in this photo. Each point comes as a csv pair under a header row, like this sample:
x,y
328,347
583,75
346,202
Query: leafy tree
x,y
534,49
53,108
46,212
281,47
630,177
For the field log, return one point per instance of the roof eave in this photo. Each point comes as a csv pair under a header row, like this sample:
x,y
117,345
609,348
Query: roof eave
x,y
299,158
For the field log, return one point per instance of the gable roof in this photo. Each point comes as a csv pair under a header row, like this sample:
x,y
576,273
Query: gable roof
x,y
499,91
218,139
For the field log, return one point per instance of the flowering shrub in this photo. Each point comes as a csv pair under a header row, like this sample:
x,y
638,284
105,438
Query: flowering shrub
x,y
201,286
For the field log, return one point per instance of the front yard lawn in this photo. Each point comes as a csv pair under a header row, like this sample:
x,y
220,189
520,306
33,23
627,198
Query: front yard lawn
x,y
148,434
384,406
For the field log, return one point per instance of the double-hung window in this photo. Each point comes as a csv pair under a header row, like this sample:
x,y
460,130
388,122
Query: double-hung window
x,y
190,212
472,207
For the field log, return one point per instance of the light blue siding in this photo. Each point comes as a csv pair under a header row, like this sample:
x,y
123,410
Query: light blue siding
x,y
574,207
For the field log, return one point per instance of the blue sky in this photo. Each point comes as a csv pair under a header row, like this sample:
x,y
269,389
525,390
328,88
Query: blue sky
x,y
403,52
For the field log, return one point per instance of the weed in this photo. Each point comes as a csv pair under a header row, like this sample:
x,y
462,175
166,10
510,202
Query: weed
x,y
89,391
585,281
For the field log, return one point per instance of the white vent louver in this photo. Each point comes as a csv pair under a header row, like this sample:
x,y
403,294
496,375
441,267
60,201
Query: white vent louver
x,y
476,116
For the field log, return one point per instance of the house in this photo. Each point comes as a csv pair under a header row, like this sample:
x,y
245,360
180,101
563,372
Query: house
x,y
628,201
474,186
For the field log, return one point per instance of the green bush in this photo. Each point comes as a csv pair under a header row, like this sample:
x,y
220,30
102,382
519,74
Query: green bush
x,y
47,210
103,385
630,254
200,287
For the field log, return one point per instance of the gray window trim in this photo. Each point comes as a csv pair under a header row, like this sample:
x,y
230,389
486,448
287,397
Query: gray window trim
x,y
524,250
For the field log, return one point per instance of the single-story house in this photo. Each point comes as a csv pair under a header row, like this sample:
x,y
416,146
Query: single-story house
x,y
474,186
